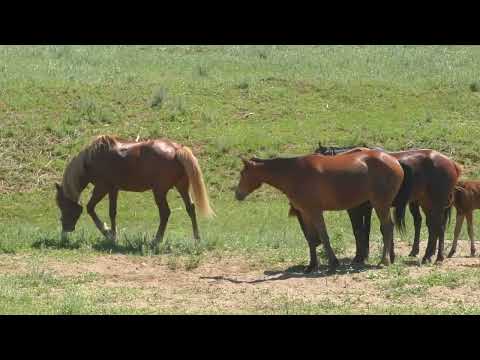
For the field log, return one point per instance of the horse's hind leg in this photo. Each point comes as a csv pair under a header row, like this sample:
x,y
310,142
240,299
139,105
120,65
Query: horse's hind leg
x,y
441,238
112,196
164,211
366,228
98,194
470,232
456,235
417,221
182,188
433,233
386,227
357,219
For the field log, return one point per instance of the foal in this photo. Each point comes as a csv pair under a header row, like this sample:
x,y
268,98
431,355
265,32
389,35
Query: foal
x,y
467,199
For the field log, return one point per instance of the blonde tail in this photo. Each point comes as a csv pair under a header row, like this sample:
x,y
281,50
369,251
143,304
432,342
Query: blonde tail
x,y
195,179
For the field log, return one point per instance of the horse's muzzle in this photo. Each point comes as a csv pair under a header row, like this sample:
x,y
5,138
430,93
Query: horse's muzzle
x,y
239,195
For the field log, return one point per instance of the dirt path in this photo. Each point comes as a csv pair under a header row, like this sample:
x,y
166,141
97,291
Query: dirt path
x,y
231,285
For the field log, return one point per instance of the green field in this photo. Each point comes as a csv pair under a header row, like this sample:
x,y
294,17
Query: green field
x,y
223,101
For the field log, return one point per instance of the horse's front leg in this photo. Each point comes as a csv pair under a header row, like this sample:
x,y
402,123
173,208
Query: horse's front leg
x,y
98,194
319,223
113,195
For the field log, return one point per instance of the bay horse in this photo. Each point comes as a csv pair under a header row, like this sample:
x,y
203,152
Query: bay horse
x,y
434,176
467,199
112,164
315,183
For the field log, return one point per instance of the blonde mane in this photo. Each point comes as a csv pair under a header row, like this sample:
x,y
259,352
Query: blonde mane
x,y
75,170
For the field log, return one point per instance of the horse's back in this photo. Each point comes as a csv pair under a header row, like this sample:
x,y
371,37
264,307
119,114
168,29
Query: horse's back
x,y
350,179
139,166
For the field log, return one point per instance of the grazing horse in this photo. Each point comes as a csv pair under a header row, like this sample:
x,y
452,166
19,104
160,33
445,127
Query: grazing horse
x,y
316,183
112,164
467,199
434,178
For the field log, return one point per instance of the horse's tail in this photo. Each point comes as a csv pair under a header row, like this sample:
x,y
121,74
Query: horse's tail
x,y
458,168
195,179
292,212
448,214
459,194
403,195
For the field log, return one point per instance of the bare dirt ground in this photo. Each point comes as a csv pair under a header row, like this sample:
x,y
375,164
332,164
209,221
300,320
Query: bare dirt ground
x,y
235,285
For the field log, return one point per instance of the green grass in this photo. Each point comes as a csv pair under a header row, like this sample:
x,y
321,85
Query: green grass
x,y
223,101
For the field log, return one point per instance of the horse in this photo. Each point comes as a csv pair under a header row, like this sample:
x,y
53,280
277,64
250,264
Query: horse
x,y
434,176
467,199
112,164
316,183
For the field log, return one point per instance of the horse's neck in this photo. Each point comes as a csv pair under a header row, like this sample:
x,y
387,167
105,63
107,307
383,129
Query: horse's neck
x,y
75,178
278,173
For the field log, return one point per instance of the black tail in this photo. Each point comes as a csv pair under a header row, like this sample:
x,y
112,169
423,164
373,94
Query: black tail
x,y
448,215
401,200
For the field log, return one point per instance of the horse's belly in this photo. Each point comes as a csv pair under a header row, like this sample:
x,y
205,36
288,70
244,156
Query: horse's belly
x,y
341,202
342,198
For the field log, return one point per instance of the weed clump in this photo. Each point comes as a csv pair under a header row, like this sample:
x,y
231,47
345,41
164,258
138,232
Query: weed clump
x,y
158,97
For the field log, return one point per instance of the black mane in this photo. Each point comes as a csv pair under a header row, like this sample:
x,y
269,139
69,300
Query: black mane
x,y
334,150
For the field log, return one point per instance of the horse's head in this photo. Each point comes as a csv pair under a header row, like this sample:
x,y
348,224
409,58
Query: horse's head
x,y
250,179
70,210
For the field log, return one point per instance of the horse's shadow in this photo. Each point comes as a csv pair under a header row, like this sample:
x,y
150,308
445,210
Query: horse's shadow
x,y
108,246
297,271
101,245
54,243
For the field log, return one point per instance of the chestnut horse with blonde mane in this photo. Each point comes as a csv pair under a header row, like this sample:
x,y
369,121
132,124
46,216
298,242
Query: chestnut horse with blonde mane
x,y
112,164
315,183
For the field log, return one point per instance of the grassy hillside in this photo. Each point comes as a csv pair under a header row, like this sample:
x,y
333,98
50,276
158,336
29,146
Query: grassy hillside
x,y
223,101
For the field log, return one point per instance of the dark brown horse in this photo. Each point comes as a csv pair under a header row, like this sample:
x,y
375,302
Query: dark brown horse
x,y
112,164
467,199
316,183
434,176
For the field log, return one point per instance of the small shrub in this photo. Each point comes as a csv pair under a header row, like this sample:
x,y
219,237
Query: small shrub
x,y
243,85
180,107
475,86
192,262
88,110
202,70
158,97
262,54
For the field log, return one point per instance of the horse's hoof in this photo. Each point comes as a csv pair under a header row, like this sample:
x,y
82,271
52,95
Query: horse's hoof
x,y
110,236
358,260
310,268
439,262
472,253
426,260
384,262
332,265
